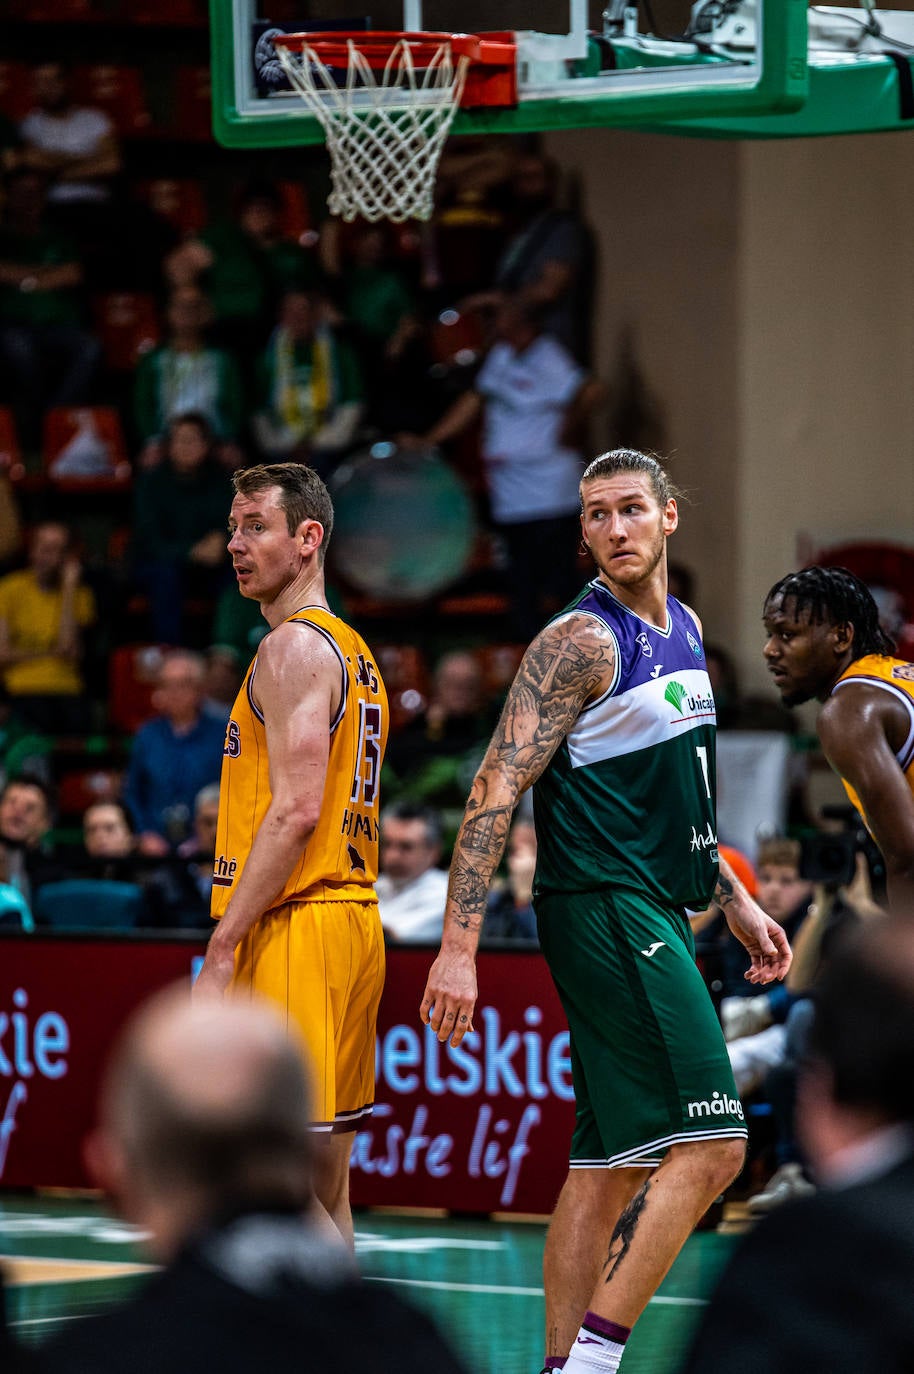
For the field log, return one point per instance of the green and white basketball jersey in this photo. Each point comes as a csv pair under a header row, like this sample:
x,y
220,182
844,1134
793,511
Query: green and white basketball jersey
x,y
629,796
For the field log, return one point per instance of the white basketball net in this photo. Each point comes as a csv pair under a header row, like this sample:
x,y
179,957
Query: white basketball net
x,y
385,130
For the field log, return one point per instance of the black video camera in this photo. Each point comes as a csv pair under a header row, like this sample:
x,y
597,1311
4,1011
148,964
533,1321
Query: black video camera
x,y
831,858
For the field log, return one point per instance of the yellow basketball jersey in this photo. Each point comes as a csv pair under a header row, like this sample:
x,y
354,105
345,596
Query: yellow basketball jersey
x,y
896,676
340,861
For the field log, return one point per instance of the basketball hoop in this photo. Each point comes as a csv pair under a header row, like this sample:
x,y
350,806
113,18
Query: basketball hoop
x,y
386,102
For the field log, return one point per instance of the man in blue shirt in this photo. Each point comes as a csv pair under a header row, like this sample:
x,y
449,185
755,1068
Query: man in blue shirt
x,y
174,755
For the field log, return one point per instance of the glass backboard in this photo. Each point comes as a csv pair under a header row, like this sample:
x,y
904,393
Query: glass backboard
x,y
579,63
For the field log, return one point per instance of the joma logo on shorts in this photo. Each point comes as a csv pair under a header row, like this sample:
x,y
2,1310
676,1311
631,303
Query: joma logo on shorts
x,y
719,1105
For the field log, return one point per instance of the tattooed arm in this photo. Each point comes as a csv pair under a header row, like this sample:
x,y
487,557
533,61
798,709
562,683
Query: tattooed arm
x,y
570,662
767,944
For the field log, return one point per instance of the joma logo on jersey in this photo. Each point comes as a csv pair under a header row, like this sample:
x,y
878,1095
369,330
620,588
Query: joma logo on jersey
x,y
707,840
679,699
719,1105
224,871
905,671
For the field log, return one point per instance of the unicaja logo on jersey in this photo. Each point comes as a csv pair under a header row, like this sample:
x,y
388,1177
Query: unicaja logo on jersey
x,y
675,695
696,705
719,1105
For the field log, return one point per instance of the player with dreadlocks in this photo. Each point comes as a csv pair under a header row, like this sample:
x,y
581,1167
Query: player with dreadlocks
x,y
825,641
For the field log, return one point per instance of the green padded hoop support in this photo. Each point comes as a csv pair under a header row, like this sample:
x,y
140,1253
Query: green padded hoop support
x,y
847,95
781,85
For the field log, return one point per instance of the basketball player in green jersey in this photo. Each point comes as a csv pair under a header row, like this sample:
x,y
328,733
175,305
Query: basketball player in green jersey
x,y
611,716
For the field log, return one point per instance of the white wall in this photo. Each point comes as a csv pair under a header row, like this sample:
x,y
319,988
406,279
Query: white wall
x,y
772,289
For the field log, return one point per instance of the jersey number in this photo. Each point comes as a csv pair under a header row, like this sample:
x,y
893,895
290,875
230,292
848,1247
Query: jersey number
x,y
368,762
702,752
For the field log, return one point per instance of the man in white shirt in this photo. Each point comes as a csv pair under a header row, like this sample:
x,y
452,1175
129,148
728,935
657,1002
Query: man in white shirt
x,y
533,398
75,146
411,889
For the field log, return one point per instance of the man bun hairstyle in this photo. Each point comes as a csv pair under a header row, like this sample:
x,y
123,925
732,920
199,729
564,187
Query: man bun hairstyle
x,y
630,460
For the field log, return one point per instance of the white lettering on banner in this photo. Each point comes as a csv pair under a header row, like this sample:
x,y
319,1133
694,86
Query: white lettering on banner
x,y
27,1050
486,1157
513,1066
408,1060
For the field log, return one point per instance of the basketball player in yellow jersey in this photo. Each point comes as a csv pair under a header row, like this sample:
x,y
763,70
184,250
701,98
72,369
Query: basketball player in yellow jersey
x,y
297,842
825,641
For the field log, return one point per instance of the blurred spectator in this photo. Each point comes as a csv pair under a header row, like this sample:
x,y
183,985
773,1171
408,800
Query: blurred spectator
x,y
509,909
372,293
224,676
245,264
48,358
681,584
238,627
15,912
548,258
178,890
43,610
179,526
824,1283
185,375
411,888
434,756
534,399
174,755
309,387
26,815
75,147
106,832
205,1143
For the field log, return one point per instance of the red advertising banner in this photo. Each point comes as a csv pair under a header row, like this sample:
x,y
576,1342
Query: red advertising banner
x,y
62,1002
481,1128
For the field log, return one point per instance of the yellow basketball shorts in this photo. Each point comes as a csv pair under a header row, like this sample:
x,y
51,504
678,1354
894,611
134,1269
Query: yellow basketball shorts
x,y
322,963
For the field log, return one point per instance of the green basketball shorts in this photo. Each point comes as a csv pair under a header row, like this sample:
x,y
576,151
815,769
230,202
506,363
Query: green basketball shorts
x,y
649,1062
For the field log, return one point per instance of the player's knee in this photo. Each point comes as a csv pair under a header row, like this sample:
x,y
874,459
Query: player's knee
x,y
724,1161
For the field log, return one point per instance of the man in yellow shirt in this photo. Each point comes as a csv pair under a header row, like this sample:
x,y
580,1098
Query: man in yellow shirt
x,y
297,837
43,609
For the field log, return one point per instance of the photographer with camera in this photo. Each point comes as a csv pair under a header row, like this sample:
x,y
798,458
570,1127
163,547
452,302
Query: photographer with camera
x,y
825,641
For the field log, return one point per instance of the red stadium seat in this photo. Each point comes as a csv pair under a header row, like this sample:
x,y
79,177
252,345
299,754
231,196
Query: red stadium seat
x,y
132,672
15,90
118,90
85,450
127,324
192,107
295,218
499,664
84,787
10,452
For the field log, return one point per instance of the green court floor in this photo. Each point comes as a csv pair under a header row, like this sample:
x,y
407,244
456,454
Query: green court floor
x,y
480,1279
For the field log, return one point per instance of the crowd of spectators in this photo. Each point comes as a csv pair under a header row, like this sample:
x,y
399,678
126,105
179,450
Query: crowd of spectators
x,y
267,340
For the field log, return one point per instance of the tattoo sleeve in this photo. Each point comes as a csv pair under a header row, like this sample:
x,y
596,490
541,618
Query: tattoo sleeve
x,y
567,664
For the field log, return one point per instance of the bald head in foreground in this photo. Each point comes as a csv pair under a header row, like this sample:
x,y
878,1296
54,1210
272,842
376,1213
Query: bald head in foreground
x,y
203,1141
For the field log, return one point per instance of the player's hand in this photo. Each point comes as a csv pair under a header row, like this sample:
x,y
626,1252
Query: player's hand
x,y
769,950
212,982
450,996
